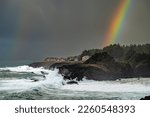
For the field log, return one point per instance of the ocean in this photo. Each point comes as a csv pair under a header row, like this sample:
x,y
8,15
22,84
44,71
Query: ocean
x,y
27,83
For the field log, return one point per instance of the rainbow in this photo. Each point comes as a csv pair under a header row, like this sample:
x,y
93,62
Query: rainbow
x,y
117,22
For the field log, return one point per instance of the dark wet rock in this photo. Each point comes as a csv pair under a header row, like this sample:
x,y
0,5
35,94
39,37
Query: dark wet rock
x,y
57,65
145,98
36,90
41,64
35,80
60,64
72,82
43,73
90,71
118,69
100,66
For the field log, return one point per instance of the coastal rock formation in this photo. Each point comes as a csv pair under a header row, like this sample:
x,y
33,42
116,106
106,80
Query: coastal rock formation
x,y
117,69
49,61
99,67
42,64
110,63
89,71
145,98
72,82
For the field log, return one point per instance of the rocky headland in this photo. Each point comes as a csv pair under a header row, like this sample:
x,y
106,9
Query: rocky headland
x,y
110,63
113,62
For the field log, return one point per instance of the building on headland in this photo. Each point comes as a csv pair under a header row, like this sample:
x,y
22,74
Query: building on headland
x,y
68,59
84,58
55,59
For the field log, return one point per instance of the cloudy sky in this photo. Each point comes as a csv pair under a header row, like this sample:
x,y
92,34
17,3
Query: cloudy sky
x,y
35,29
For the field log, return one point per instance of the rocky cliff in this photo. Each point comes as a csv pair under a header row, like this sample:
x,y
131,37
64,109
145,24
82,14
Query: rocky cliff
x,y
104,64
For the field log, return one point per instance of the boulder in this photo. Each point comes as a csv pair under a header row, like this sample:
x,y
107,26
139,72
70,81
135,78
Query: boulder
x,y
72,82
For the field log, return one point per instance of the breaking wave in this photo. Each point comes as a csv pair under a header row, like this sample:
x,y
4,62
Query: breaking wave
x,y
24,82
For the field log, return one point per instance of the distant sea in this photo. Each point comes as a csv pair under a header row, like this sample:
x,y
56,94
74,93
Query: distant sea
x,y
6,63
27,83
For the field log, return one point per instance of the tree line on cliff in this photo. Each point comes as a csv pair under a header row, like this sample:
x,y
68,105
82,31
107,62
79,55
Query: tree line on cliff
x,y
132,54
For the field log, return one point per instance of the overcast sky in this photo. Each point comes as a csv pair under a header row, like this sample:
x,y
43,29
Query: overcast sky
x,y
35,29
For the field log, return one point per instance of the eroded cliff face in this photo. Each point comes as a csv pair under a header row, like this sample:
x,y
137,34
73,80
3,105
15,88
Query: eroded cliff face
x,y
103,65
99,67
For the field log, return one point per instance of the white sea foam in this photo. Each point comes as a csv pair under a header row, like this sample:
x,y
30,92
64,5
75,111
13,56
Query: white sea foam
x,y
25,68
53,79
126,85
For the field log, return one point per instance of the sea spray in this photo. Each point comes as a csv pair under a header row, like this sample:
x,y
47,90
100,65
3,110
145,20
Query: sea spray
x,y
51,77
24,82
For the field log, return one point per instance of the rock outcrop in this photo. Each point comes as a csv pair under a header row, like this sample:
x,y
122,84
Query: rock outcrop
x,y
89,71
42,64
111,63
145,98
99,67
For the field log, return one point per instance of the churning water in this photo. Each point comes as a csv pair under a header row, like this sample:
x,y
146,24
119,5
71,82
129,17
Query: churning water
x,y
24,82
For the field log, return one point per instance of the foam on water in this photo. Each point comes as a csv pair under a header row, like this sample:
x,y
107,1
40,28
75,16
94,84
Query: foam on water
x,y
54,80
51,78
125,85
24,68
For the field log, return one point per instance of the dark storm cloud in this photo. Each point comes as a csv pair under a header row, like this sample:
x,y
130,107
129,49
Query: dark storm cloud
x,y
60,28
42,28
137,26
